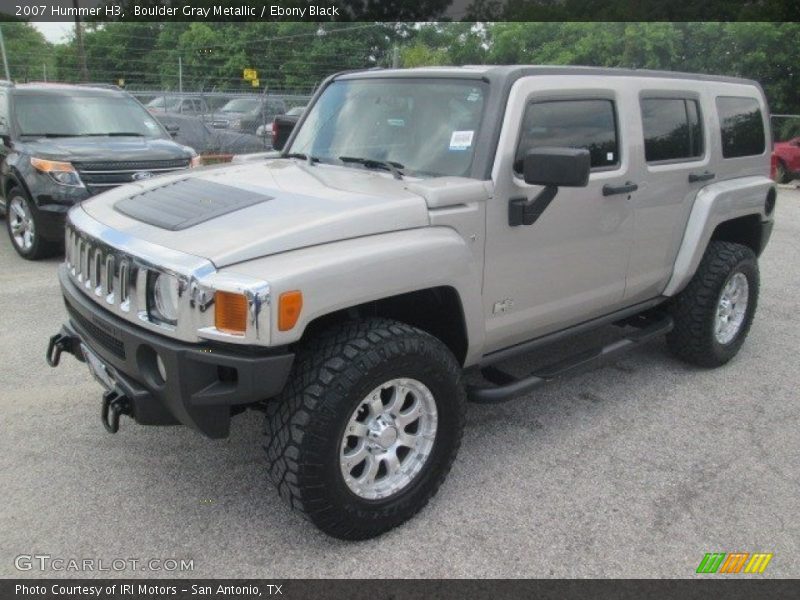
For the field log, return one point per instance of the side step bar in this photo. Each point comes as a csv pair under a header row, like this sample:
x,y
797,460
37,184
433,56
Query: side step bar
x,y
507,386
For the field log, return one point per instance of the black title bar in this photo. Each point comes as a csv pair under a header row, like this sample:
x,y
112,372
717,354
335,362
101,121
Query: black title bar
x,y
400,10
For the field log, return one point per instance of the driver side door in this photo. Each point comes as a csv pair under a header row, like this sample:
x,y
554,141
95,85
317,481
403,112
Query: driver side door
x,y
570,265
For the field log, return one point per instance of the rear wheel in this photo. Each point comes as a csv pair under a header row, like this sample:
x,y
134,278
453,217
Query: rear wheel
x,y
22,224
714,313
367,428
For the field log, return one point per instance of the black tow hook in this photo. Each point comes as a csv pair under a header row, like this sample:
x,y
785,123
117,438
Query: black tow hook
x,y
59,343
114,405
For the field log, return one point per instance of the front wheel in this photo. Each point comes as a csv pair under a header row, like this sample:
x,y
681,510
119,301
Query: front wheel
x,y
22,223
714,313
367,428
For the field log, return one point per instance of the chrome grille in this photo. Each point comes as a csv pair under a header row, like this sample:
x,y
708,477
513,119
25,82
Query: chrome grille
x,y
110,275
112,268
101,176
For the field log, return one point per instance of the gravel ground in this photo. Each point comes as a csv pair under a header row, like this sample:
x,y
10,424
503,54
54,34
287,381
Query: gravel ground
x,y
635,469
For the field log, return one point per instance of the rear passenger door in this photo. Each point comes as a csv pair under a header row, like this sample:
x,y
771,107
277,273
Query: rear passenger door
x,y
674,166
570,265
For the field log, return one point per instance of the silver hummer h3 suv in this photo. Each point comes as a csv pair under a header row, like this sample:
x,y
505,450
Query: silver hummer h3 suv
x,y
419,223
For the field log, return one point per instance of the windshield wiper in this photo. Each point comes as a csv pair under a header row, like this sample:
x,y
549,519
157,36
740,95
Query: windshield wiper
x,y
372,163
114,134
311,159
51,135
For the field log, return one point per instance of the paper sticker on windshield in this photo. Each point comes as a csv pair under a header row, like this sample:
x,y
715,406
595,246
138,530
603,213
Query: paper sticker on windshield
x,y
461,140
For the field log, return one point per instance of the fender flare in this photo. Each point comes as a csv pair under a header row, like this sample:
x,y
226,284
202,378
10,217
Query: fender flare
x,y
716,204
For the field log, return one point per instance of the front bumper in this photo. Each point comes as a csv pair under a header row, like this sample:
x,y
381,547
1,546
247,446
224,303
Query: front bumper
x,y
203,382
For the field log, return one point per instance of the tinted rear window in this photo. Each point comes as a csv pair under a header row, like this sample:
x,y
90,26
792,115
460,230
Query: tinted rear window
x,y
589,124
741,126
672,129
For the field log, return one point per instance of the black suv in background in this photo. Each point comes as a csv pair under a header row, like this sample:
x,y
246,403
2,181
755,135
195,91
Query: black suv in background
x,y
61,144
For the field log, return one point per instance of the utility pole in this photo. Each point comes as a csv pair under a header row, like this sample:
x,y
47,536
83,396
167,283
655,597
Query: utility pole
x,y
79,41
395,57
44,71
180,74
3,50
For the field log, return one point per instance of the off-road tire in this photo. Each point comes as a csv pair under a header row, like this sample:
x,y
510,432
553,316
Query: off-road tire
x,y
694,309
41,248
305,426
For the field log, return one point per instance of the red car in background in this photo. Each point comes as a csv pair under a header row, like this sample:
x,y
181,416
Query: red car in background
x,y
786,160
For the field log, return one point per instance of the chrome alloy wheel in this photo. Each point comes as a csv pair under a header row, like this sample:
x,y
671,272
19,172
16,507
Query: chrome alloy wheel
x,y
731,308
20,218
388,439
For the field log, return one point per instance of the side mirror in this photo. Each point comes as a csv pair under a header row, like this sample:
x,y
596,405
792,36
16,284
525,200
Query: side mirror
x,y
172,129
553,168
559,167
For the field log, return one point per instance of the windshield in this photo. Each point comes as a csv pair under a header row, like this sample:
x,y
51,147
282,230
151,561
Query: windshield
x,y
241,105
80,115
165,103
430,126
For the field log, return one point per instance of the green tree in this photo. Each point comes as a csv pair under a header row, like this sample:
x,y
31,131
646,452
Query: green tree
x,y
30,56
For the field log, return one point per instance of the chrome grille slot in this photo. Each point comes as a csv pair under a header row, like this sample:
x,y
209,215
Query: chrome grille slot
x,y
67,246
81,260
87,266
124,284
108,279
97,271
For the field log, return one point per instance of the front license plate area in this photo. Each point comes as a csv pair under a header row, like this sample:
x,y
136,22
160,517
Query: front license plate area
x,y
98,369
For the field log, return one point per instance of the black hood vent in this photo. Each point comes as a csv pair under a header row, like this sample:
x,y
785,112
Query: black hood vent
x,y
181,204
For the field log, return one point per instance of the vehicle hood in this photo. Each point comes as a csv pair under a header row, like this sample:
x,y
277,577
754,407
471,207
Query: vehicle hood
x,y
302,206
104,148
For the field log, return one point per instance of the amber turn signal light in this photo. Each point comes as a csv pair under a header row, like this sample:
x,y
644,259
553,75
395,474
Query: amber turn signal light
x,y
289,306
230,312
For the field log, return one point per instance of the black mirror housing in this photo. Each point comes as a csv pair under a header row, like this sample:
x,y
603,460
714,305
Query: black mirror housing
x,y
559,167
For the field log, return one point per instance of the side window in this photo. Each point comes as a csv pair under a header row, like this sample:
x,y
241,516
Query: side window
x,y
672,129
186,106
273,108
589,124
741,126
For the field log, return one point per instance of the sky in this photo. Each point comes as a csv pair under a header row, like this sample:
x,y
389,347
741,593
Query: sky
x,y
55,32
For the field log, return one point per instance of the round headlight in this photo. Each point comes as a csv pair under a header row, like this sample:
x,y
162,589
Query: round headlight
x,y
165,298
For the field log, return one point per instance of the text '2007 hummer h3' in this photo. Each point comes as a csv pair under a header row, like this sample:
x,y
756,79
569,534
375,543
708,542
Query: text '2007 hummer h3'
x,y
419,223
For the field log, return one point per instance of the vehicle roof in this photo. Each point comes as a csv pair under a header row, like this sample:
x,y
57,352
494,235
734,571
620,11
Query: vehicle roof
x,y
61,89
512,72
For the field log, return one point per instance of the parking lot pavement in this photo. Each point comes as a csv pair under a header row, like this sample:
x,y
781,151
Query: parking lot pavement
x,y
635,469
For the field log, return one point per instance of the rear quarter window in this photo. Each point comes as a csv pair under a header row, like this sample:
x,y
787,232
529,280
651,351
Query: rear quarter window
x,y
741,126
672,129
